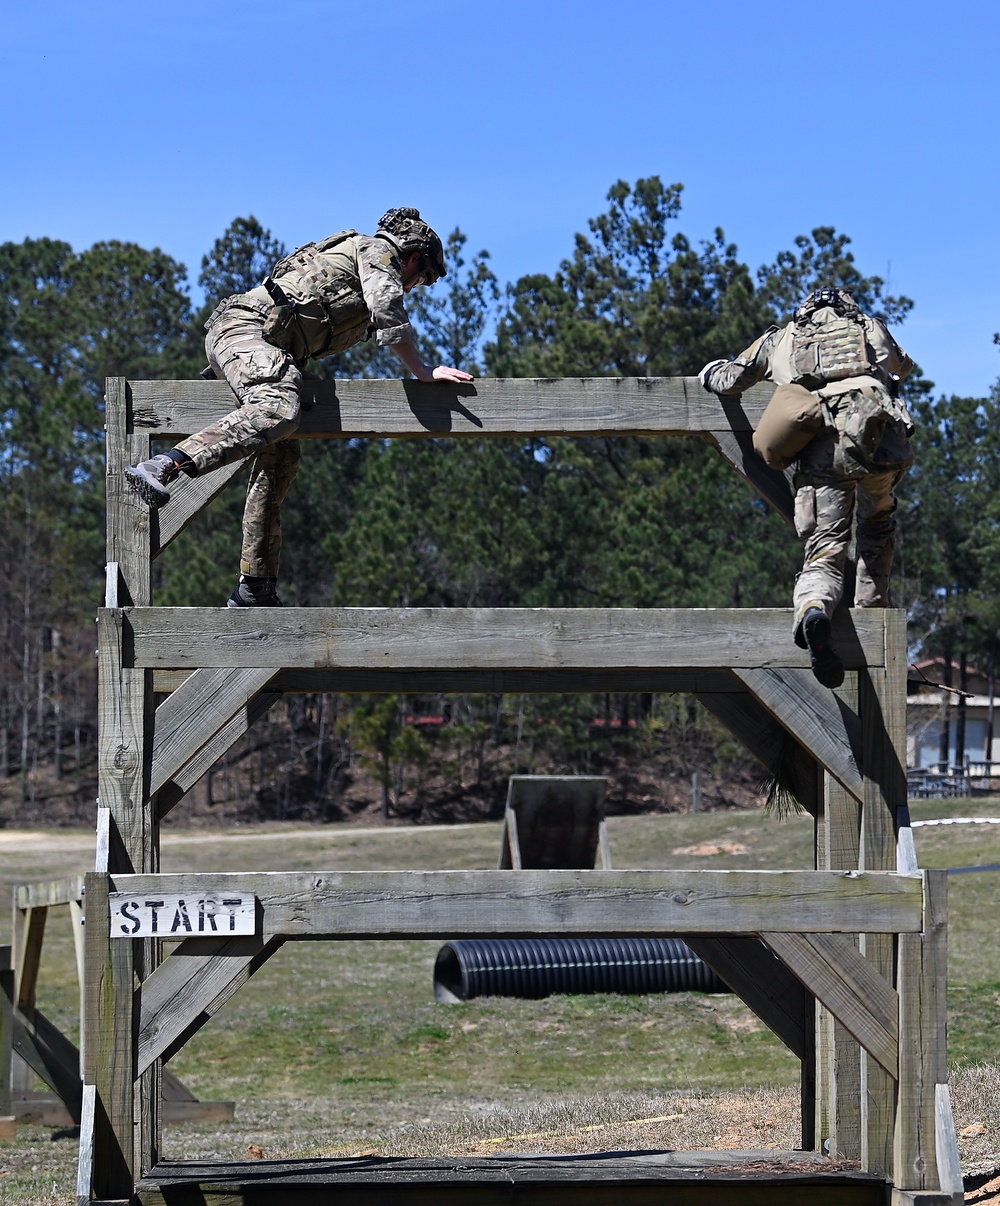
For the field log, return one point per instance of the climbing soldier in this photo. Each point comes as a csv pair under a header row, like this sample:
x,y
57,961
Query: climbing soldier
x,y
836,416
320,300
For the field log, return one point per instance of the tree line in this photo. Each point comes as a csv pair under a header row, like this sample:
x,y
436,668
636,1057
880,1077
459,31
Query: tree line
x,y
623,521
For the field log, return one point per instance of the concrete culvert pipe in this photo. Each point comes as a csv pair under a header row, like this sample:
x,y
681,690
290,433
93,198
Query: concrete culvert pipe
x,y
538,967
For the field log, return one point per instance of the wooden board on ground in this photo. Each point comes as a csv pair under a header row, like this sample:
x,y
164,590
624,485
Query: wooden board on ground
x,y
695,1178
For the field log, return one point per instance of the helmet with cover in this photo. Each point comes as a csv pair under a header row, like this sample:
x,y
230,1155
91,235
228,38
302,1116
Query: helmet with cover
x,y
838,300
410,233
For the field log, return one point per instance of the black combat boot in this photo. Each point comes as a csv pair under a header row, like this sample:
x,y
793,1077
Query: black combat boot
x,y
255,592
149,479
826,665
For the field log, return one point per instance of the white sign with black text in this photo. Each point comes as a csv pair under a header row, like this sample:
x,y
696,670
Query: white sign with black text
x,y
176,915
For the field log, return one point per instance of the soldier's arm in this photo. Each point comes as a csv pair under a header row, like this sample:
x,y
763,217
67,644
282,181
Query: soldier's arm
x,y
889,354
382,287
749,367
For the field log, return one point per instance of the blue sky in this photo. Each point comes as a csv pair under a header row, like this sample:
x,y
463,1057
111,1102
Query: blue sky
x,y
161,122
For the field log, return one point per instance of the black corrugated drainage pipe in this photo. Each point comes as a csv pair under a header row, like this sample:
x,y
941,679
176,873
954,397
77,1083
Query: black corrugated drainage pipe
x,y
537,967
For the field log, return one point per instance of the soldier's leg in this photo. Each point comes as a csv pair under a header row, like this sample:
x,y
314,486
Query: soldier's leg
x,y
267,383
823,513
876,538
273,471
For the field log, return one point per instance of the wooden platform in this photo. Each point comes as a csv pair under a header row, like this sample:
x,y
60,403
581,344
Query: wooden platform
x,y
734,1178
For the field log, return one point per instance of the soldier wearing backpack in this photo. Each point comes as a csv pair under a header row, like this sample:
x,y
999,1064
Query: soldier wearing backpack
x,y
835,415
323,298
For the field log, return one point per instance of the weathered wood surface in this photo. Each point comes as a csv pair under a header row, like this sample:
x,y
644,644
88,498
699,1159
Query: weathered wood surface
x,y
108,1052
857,996
882,708
553,821
182,780
48,894
838,1054
85,1165
189,988
193,715
768,741
946,1144
487,407
52,1056
922,979
127,516
28,939
430,638
813,716
187,500
458,904
688,1178
762,981
6,1028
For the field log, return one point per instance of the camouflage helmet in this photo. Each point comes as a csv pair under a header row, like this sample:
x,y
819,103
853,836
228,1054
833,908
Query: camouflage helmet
x,y
838,300
410,232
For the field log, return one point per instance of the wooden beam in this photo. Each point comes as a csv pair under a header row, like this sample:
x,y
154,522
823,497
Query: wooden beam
x,y
762,981
429,638
457,904
189,988
835,973
193,715
30,926
923,1058
51,1055
773,487
6,1028
814,717
50,894
188,498
127,516
489,406
184,779
771,744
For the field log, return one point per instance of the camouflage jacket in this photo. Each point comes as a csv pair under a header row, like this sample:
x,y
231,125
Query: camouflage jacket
x,y
771,358
346,288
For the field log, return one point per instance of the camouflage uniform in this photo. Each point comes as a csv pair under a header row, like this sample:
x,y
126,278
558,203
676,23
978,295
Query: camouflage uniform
x,y
834,482
345,288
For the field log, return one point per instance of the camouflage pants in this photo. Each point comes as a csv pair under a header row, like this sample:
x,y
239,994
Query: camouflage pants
x,y
828,505
267,385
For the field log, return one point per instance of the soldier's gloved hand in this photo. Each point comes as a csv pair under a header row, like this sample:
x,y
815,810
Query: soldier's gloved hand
x,y
706,372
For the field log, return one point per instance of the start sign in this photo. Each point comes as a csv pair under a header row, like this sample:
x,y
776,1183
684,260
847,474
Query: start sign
x,y
172,915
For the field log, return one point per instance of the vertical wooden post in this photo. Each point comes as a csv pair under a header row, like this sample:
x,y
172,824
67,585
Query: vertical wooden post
x,y
923,1052
126,1116
882,706
6,1029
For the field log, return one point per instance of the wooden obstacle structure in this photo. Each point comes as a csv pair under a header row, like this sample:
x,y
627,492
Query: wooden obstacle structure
x,y
852,971
31,1043
554,823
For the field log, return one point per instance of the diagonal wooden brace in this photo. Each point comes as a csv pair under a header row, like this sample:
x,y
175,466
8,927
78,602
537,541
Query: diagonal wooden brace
x,y
839,976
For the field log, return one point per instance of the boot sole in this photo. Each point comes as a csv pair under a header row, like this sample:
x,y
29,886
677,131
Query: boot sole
x,y
150,493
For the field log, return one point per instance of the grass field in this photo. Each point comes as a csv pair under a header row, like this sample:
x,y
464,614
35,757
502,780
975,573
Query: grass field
x,y
340,1047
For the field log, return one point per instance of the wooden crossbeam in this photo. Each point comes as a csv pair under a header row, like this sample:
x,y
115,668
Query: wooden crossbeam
x,y
187,499
834,971
429,638
762,981
48,894
460,904
771,744
182,780
189,988
814,717
489,406
194,714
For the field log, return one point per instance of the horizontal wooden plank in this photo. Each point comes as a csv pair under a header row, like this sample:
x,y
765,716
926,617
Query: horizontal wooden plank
x,y
481,682
485,638
488,406
681,1178
49,894
459,904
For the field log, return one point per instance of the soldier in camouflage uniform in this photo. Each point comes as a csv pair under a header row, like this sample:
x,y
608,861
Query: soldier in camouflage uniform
x,y
323,298
850,468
